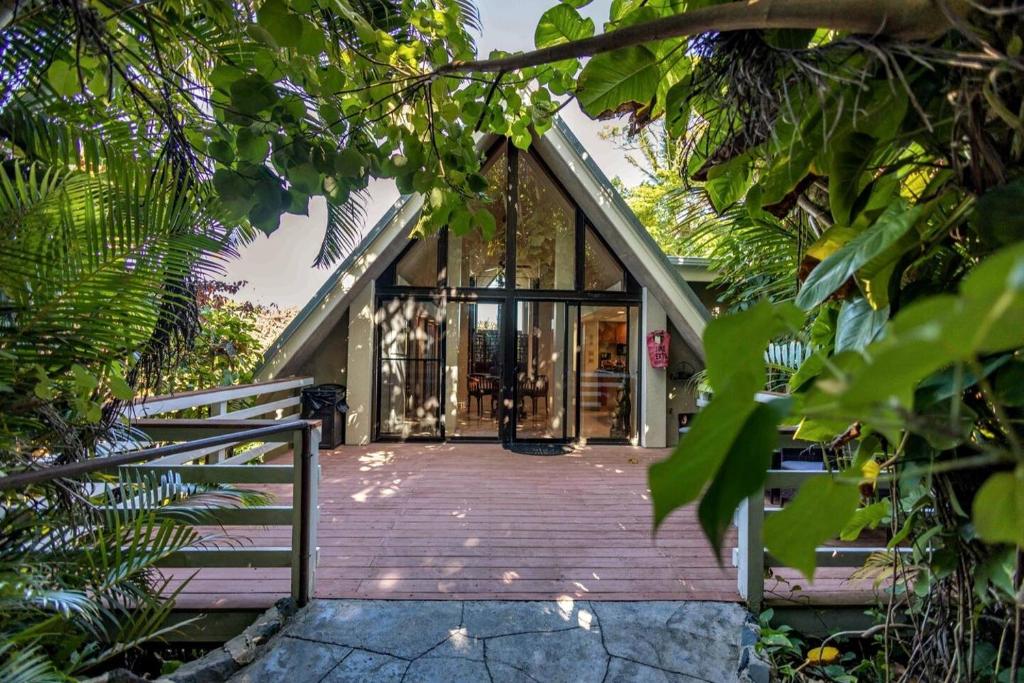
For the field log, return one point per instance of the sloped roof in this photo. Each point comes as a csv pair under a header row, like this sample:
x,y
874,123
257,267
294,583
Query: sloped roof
x,y
589,187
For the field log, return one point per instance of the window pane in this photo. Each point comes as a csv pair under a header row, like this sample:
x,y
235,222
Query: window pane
x,y
601,272
472,260
474,369
546,231
408,334
608,379
541,328
418,267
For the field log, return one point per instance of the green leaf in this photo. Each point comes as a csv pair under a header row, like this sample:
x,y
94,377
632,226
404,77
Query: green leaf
x,y
849,160
477,182
281,23
252,94
305,178
234,190
681,477
521,138
735,346
311,39
791,164
993,306
836,269
252,146
120,389
266,213
84,380
1008,384
858,324
561,24
63,77
677,107
743,471
728,182
867,517
350,163
222,151
44,391
459,220
997,216
332,81
624,77
483,220
819,513
998,511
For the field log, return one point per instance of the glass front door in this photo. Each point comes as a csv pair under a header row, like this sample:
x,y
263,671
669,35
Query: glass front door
x,y
474,382
607,371
539,389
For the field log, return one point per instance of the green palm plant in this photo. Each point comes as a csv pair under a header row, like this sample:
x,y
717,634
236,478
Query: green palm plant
x,y
106,226
79,584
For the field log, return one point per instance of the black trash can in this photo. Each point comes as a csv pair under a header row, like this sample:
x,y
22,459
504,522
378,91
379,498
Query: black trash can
x,y
326,402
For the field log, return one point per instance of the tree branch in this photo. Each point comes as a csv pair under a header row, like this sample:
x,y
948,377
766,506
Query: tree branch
x,y
902,19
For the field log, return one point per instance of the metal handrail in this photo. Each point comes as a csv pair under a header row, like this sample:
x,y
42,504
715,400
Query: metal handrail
x,y
75,469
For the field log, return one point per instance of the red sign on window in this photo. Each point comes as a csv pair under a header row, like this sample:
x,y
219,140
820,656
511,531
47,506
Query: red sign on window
x,y
657,348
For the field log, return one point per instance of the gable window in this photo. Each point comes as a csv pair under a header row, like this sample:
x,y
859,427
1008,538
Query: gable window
x,y
545,230
601,270
418,266
472,260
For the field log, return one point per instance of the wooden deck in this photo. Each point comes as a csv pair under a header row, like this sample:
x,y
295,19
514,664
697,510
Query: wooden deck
x,y
474,521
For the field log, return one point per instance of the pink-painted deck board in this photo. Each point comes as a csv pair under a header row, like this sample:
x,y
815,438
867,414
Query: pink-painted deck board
x,y
463,521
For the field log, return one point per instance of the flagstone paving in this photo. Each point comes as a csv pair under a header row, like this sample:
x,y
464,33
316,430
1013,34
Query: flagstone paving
x,y
495,642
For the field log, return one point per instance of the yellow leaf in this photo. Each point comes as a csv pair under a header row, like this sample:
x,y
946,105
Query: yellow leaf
x,y
822,656
870,470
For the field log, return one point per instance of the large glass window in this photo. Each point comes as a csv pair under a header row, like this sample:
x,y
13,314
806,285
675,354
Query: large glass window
x,y
545,231
465,351
608,378
601,271
418,266
472,260
409,397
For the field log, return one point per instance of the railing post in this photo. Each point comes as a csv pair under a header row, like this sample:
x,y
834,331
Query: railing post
x,y
217,409
750,561
305,515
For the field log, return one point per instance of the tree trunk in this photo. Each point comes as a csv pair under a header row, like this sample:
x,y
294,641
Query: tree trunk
x,y
899,19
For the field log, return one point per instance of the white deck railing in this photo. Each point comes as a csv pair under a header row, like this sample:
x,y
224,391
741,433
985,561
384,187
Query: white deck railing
x,y
751,559
224,462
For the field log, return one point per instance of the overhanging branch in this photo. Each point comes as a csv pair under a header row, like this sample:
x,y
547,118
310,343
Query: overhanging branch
x,y
901,19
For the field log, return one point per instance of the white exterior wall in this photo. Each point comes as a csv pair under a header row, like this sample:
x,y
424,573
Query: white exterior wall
x,y
360,368
653,411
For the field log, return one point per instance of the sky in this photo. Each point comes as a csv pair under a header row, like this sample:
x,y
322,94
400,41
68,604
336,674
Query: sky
x,y
279,268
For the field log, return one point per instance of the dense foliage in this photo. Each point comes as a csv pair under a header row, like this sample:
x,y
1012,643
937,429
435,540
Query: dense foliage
x,y
861,158
229,346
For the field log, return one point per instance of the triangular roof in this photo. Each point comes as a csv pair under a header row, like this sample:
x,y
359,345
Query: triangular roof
x,y
573,166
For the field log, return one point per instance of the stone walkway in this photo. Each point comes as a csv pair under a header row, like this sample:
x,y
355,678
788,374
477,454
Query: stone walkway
x,y
490,641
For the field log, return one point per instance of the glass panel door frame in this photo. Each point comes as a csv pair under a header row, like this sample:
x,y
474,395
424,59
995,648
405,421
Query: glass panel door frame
x,y
500,411
518,389
636,354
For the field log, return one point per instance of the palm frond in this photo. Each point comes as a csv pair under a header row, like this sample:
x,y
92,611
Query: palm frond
x,y
27,665
344,229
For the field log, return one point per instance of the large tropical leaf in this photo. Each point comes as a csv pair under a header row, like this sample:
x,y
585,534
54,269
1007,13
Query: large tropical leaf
x,y
625,79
